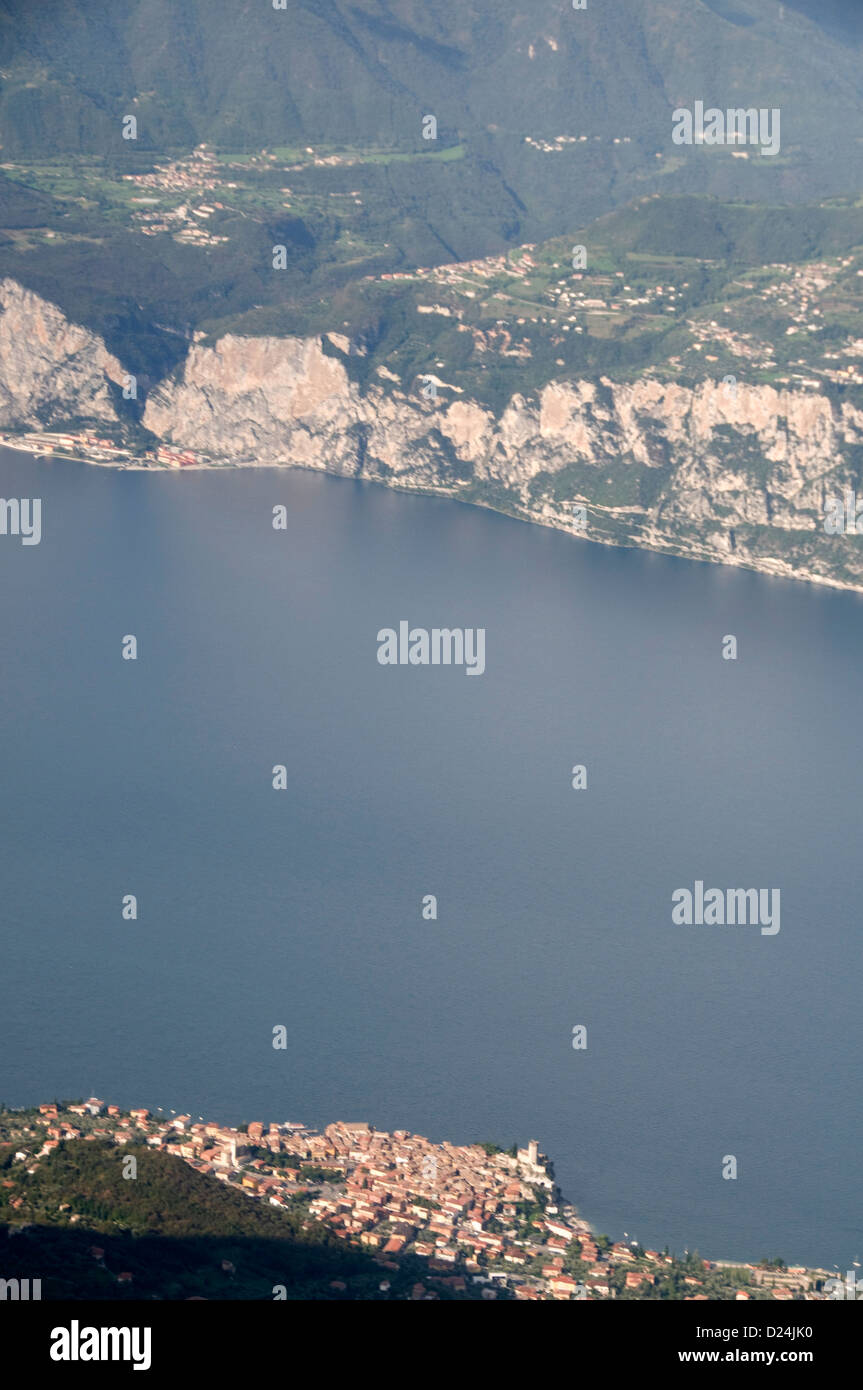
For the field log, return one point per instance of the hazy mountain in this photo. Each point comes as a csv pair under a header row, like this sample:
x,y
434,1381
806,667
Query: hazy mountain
x,y
707,262
552,116
243,75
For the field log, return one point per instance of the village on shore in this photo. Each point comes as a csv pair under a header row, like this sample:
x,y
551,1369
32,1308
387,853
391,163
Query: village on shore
x,y
88,447
474,1215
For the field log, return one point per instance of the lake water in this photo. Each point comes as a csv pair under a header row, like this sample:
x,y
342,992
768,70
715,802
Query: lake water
x,y
303,907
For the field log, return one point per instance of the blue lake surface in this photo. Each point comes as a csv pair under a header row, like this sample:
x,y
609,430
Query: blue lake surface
x,y
303,907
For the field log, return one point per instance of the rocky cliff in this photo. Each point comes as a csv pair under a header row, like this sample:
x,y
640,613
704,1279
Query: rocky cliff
x,y
739,475
51,371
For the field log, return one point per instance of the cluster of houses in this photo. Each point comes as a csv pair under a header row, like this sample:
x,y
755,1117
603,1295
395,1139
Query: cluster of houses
x,y
574,299
471,1213
200,170
796,297
98,450
177,458
566,302
53,442
197,173
559,142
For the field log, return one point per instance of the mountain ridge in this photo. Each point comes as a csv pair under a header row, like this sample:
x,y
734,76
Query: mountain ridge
x,y
739,478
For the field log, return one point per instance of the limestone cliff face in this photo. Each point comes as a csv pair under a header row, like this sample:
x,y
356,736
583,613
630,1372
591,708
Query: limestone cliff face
x,y
51,370
736,476
739,477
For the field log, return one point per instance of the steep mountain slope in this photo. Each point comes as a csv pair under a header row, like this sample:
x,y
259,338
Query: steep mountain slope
x,y
174,1233
740,476
547,117
606,387
51,370
241,74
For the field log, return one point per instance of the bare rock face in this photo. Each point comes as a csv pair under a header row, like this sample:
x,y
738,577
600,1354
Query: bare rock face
x,y
51,371
741,476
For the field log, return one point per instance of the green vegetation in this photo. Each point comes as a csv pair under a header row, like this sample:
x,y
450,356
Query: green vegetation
x,y
151,251
532,142
179,1233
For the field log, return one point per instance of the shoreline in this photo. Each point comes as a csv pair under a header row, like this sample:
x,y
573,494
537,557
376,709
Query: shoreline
x,y
771,569
354,1163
